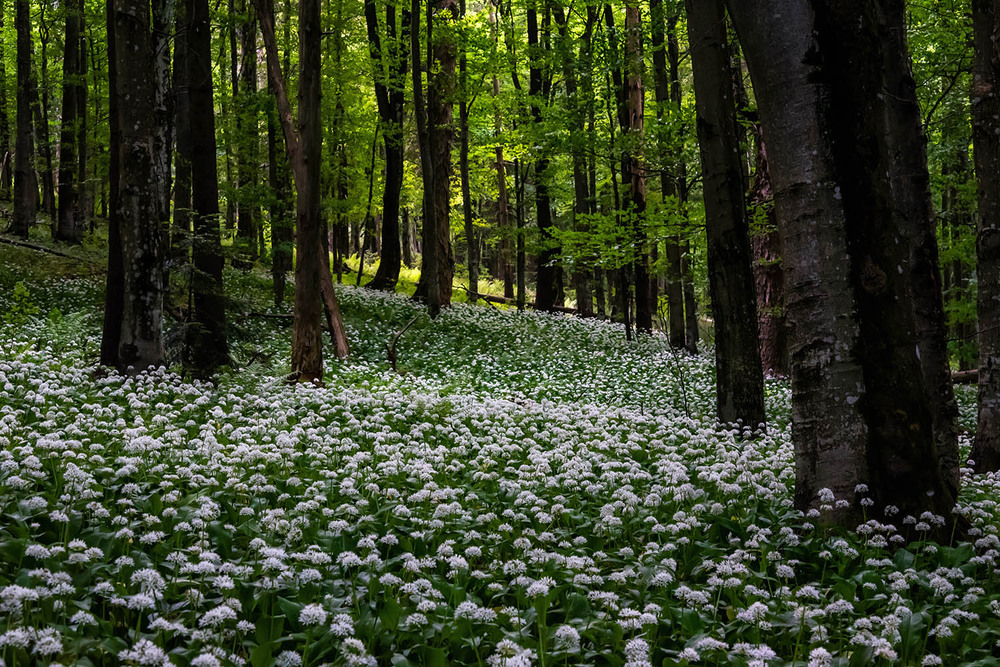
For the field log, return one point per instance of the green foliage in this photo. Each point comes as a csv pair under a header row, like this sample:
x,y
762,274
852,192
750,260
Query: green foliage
x,y
20,306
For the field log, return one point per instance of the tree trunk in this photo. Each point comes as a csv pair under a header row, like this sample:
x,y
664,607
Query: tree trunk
x,y
739,377
281,224
180,231
986,150
41,112
114,300
206,345
767,271
636,176
25,183
471,236
86,202
521,257
68,227
390,64
303,145
545,287
428,286
913,213
248,152
141,327
163,21
5,154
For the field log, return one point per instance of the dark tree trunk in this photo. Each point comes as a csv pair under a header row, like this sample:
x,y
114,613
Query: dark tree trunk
x,y
913,212
248,152
141,327
5,154
114,298
545,288
767,270
739,377
636,178
281,223
862,125
163,22
471,236
406,239
313,280
390,64
986,148
428,286
180,231
86,202
206,345
665,76
521,257
41,112
68,227
25,183
504,264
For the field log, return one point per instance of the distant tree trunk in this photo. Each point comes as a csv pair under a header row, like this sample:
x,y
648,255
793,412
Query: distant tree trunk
x,y
206,345
249,138
636,174
739,377
141,327
406,238
521,258
114,299
471,236
663,77
163,22
180,231
986,149
86,203
25,184
303,145
767,270
5,154
577,107
506,269
545,287
390,86
41,112
68,227
281,224
914,214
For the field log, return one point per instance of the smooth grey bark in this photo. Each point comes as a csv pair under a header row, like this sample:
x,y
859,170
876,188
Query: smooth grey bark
x,y
739,377
986,149
828,430
140,345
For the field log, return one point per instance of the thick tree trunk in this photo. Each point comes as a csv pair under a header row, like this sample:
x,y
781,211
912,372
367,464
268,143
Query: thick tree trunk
x,y
25,183
86,205
739,377
828,428
986,149
206,345
428,286
141,327
163,21
902,451
913,213
635,175
68,226
281,223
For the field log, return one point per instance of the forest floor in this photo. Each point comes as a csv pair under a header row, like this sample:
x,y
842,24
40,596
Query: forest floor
x,y
524,489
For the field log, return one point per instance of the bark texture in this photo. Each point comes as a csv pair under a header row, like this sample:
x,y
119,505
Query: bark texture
x,y
69,226
25,183
986,149
141,344
739,378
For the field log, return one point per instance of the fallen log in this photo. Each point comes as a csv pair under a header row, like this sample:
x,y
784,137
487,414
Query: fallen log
x,y
965,377
41,248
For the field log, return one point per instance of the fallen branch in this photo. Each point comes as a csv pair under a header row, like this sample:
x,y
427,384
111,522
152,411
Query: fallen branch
x,y
41,248
391,348
965,377
476,296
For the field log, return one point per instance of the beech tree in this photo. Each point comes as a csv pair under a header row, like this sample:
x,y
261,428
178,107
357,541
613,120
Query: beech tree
x,y
69,226
739,376
986,149
860,409
25,183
